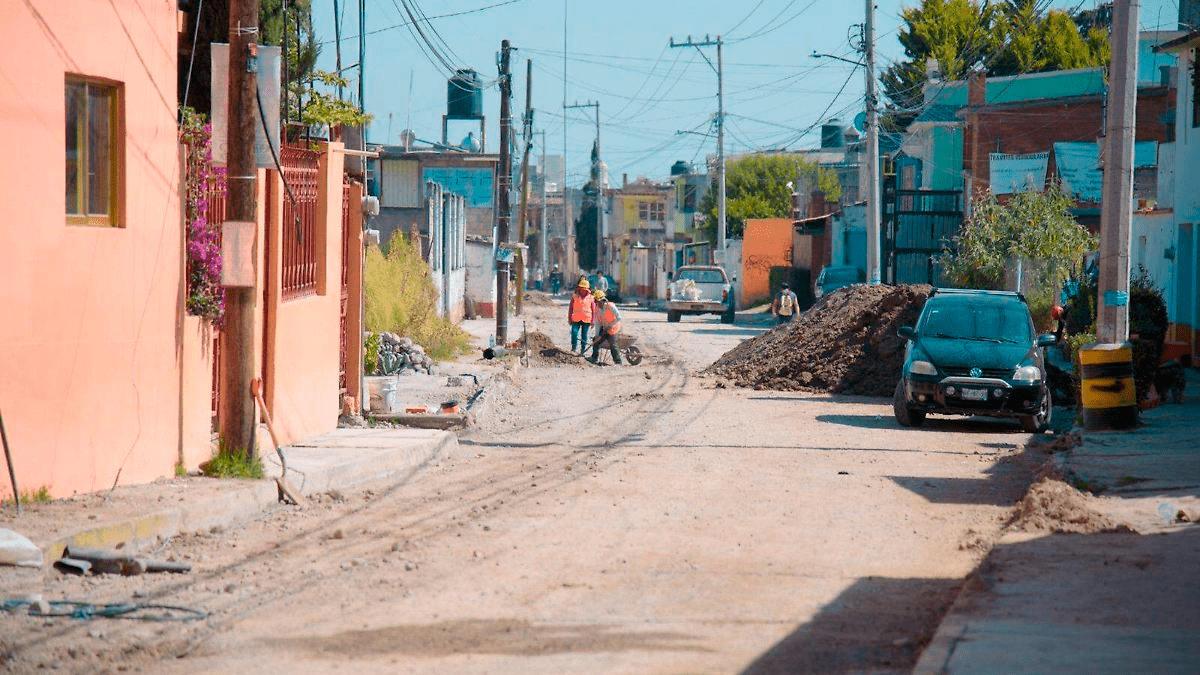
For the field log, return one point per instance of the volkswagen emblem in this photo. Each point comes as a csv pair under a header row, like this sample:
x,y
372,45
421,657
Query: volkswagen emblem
x,y
975,372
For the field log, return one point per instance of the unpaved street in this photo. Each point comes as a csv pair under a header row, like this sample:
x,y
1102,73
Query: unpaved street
x,y
598,519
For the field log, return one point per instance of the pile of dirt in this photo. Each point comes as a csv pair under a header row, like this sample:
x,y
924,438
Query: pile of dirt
x,y
543,352
844,344
537,298
1053,506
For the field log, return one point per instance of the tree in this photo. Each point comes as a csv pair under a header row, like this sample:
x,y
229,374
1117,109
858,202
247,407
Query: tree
x,y
1036,228
1006,38
756,187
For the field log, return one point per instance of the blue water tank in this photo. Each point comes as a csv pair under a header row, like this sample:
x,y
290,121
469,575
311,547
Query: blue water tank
x,y
832,135
464,95
681,168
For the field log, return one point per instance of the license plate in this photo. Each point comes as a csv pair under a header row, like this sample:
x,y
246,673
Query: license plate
x,y
697,306
974,394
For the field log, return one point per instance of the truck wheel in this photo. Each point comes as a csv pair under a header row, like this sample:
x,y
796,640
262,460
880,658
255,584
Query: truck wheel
x,y
727,316
633,355
673,316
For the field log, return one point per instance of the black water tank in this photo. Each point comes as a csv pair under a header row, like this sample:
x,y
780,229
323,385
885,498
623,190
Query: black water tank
x,y
831,134
464,95
681,168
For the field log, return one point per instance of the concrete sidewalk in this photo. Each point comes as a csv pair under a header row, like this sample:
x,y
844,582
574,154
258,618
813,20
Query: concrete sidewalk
x,y
137,516
1112,602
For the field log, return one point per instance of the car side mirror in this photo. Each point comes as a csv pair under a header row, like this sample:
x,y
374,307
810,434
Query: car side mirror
x,y
906,332
1047,340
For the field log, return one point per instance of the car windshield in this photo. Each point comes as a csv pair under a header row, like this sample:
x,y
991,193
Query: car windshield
x,y
989,322
839,275
702,276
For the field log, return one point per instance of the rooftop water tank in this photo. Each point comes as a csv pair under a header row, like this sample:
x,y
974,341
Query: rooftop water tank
x,y
831,134
464,95
681,168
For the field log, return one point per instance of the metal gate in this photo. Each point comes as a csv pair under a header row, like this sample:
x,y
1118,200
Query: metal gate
x,y
918,225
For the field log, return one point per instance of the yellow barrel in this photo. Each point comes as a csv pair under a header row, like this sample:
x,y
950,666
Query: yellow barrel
x,y
1106,386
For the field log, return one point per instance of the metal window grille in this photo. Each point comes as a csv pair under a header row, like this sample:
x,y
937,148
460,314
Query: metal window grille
x,y
299,241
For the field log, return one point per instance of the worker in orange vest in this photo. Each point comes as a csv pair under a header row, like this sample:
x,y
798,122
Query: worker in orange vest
x,y
581,313
608,324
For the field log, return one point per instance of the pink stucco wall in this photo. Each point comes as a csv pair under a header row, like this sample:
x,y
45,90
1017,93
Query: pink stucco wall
x,y
89,337
303,358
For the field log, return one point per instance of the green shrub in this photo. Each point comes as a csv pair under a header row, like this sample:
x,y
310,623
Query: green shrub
x,y
41,494
228,463
401,298
371,353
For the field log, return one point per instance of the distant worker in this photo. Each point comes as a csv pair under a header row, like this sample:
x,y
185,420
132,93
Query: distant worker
x,y
785,305
608,324
539,277
555,280
581,313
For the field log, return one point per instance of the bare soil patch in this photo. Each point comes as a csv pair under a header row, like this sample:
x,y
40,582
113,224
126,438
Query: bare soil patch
x,y
844,344
1053,506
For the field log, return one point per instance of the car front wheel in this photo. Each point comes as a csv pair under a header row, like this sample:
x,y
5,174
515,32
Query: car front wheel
x,y
673,316
1041,421
905,416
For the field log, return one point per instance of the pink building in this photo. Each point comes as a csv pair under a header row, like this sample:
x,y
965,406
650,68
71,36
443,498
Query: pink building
x,y
104,379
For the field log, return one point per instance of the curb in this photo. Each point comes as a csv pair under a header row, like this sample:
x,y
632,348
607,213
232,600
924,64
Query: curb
x,y
341,459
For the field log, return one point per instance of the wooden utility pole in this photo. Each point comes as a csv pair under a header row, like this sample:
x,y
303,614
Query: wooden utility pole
x,y
504,188
237,354
527,128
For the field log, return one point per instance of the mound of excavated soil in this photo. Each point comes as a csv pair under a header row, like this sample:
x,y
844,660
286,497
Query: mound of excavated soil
x,y
844,344
1053,506
543,352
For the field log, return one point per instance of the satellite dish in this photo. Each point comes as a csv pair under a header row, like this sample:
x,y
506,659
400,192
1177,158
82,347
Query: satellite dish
x,y
860,121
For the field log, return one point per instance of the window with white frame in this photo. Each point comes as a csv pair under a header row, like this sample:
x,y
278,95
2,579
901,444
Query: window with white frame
x,y
652,211
94,184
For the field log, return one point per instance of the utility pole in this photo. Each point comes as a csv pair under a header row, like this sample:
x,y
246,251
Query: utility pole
x,y
874,208
362,57
237,355
721,219
504,187
599,189
543,238
1116,206
527,130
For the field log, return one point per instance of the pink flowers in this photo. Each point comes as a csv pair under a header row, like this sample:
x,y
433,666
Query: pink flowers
x,y
204,193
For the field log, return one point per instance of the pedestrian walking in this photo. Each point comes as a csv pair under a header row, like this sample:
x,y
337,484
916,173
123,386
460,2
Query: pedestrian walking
x,y
785,305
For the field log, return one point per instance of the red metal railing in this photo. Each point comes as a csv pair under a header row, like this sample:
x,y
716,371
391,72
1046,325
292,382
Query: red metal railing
x,y
217,208
345,303
299,224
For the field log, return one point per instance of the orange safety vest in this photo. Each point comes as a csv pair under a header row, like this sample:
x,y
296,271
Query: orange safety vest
x,y
581,308
610,319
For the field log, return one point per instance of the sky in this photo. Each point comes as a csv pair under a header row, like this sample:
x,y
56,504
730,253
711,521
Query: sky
x,y
656,103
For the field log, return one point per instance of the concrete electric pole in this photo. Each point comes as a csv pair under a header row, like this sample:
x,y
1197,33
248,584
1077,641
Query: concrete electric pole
x,y
874,208
503,207
721,219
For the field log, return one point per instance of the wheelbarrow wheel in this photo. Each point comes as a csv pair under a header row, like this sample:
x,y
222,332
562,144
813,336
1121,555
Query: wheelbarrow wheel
x,y
633,355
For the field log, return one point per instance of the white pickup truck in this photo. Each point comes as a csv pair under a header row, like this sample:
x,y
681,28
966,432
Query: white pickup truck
x,y
700,289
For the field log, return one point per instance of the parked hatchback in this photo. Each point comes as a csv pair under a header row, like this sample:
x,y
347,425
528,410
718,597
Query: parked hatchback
x,y
833,277
974,352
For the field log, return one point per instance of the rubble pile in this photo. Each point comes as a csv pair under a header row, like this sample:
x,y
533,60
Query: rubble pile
x,y
844,344
398,354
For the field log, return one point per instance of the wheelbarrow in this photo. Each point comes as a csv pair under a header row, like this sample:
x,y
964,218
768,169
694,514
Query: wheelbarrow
x,y
625,345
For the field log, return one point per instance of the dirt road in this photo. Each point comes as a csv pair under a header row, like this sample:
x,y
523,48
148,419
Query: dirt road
x,y
599,519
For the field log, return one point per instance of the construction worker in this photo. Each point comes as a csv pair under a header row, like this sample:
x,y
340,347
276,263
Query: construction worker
x,y
608,324
581,313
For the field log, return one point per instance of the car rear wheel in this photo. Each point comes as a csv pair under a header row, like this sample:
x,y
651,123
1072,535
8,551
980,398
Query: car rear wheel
x,y
1041,421
905,416
673,316
727,316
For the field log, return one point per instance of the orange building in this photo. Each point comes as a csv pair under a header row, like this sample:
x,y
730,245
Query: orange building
x,y
766,243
